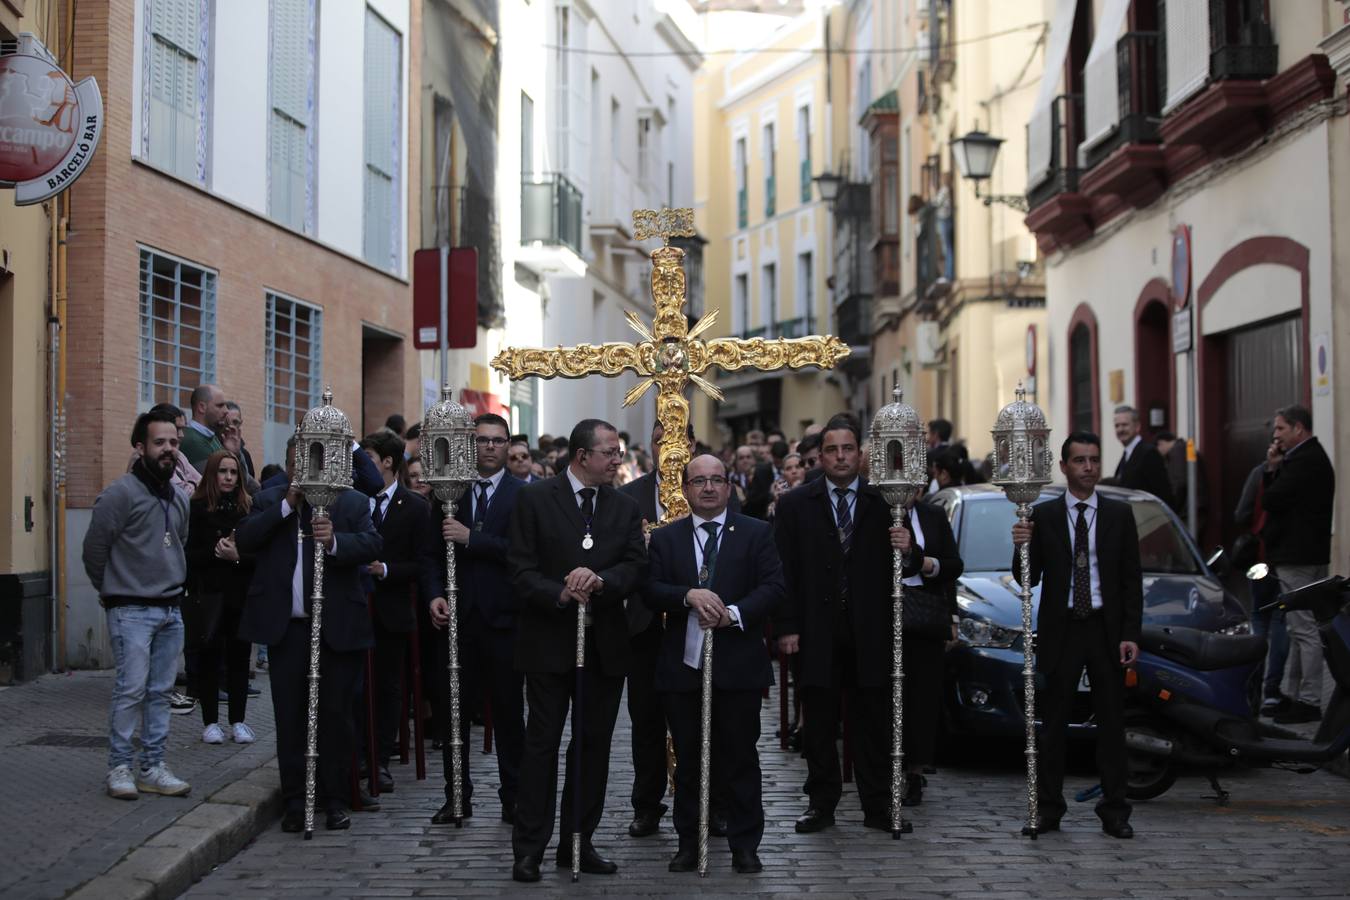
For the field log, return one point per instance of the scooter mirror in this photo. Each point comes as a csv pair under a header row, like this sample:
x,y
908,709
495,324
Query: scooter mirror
x,y
1257,572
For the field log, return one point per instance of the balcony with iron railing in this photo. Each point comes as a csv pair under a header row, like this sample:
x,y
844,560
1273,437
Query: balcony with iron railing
x,y
550,223
1141,67
853,318
1066,118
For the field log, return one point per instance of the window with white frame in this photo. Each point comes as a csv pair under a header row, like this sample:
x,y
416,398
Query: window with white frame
x,y
768,305
740,305
178,329
804,150
174,101
742,178
806,292
571,120
383,144
770,148
293,369
290,143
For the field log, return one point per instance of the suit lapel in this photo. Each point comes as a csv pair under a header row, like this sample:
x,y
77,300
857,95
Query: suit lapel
x,y
728,544
562,495
1059,522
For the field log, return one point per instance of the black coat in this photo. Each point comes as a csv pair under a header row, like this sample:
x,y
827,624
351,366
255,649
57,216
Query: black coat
x,y
940,544
272,539
1052,567
546,534
206,571
1145,470
759,493
480,565
808,544
1298,501
748,575
410,561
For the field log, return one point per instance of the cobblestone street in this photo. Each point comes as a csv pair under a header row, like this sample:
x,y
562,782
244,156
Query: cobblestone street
x,y
1284,835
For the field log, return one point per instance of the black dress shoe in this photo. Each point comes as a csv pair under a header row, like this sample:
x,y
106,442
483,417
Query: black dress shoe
x,y
592,863
813,820
338,820
386,780
685,860
746,862
914,786
446,814
717,823
1045,825
293,821
1121,830
647,822
367,803
526,869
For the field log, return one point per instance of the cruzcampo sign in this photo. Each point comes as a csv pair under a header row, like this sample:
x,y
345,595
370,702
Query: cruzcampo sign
x,y
49,126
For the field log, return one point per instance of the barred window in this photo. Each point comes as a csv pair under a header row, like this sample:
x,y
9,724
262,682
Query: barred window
x,y
383,150
178,329
175,86
294,369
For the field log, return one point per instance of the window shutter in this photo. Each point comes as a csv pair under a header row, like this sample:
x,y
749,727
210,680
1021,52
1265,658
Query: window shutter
x,y
1101,101
1187,50
1040,140
291,59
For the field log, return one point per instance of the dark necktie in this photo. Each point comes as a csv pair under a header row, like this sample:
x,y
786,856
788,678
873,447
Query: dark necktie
x,y
1082,570
378,518
1120,466
587,505
705,574
845,539
480,507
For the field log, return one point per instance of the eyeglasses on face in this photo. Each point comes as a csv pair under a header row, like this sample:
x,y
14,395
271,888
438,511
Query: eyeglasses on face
x,y
484,441
701,481
612,453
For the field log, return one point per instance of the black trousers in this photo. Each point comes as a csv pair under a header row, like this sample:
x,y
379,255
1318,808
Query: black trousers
x,y
391,651
340,675
487,669
224,648
923,699
737,781
869,713
549,695
648,716
1085,646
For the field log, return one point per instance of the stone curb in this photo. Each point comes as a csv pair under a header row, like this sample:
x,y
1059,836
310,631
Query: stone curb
x,y
204,837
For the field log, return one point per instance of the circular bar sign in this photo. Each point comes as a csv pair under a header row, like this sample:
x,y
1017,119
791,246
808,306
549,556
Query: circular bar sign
x,y
49,126
1181,266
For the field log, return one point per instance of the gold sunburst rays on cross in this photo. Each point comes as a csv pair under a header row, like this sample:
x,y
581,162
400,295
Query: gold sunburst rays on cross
x,y
670,354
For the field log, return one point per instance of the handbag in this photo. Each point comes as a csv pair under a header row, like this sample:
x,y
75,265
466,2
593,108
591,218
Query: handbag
x,y
925,615
201,609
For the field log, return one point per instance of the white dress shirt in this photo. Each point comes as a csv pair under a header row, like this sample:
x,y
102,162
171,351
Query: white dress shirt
x,y
298,576
852,500
1091,512
693,632
1129,448
578,487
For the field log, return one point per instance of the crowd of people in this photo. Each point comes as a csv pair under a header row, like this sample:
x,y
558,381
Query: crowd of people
x,y
786,553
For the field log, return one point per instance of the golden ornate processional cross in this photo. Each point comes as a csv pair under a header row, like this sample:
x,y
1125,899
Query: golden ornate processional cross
x,y
670,354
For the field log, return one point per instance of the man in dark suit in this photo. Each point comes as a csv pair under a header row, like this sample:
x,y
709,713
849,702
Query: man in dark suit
x,y
281,532
834,537
575,541
1085,555
715,570
519,460
1141,466
1300,489
488,609
403,520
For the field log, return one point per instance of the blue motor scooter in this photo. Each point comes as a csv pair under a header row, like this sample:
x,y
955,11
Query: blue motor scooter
x,y
1190,703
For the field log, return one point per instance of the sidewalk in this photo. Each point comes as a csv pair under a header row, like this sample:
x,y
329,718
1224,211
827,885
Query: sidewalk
x,y
64,831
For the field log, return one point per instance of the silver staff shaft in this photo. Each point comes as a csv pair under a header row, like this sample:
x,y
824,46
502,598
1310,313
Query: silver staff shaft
x,y
315,641
452,636
577,731
1028,678
897,679
705,753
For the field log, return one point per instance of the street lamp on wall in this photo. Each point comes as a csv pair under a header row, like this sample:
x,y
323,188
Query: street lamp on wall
x,y
975,155
828,183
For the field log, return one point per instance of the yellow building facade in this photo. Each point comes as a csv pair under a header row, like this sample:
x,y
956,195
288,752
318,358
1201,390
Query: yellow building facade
x,y
764,126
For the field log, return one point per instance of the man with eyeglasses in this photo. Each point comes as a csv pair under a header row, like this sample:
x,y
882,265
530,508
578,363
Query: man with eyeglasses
x,y
519,461
715,571
488,610
575,541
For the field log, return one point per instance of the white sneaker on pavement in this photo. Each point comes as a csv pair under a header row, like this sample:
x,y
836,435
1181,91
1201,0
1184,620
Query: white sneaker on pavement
x,y
120,783
243,734
181,704
159,780
213,734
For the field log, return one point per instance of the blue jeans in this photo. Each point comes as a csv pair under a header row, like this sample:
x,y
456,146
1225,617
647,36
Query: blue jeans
x,y
1271,624
146,641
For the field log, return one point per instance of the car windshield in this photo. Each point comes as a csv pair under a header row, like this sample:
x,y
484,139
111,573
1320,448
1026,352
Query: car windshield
x,y
986,537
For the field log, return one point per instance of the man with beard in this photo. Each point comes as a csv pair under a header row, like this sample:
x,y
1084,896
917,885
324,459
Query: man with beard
x,y
575,541
133,553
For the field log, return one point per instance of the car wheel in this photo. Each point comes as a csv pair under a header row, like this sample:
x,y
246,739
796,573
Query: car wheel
x,y
1149,775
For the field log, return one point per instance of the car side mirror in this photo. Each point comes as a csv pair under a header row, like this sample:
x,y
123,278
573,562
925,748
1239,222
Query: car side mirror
x,y
1219,563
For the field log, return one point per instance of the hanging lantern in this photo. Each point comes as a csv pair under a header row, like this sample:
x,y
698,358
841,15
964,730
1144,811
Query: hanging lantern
x,y
898,463
449,454
323,453
1022,459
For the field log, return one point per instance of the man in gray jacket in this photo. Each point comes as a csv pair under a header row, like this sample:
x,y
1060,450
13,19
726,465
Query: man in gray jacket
x,y
133,553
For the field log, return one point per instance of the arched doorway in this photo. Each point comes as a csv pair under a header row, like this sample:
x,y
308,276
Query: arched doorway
x,y
1084,412
1154,393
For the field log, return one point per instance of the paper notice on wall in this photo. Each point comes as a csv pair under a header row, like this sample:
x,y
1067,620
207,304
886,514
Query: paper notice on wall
x,y
1321,364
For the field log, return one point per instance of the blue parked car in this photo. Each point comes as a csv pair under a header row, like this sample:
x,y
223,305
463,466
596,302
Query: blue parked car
x,y
983,684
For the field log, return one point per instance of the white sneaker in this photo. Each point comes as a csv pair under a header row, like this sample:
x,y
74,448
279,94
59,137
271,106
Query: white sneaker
x,y
213,734
120,783
243,734
159,780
